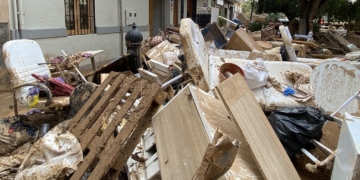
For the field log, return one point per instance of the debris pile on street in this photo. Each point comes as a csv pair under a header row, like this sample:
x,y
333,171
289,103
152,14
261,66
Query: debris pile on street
x,y
188,103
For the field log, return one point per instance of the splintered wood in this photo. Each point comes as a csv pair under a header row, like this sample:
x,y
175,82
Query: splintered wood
x,y
104,153
243,108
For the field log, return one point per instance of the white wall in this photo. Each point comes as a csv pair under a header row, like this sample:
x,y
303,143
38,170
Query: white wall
x,y
107,13
200,3
44,14
110,43
50,14
142,8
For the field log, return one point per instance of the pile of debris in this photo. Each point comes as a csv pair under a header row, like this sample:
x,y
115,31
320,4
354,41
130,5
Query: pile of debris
x,y
194,103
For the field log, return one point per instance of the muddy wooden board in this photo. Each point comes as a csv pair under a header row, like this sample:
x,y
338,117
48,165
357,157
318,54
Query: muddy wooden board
x,y
213,115
335,82
196,53
241,104
103,151
157,51
194,113
180,137
242,41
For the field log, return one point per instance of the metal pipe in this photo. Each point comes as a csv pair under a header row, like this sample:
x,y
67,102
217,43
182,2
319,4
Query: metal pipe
x,y
171,81
121,29
310,156
228,20
15,19
322,147
76,69
20,18
345,103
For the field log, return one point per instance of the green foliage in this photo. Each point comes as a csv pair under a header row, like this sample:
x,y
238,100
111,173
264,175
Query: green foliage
x,y
291,8
316,27
246,7
343,10
256,26
273,17
221,22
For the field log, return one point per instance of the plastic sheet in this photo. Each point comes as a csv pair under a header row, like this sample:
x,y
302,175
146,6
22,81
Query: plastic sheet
x,y
297,126
54,156
256,74
14,133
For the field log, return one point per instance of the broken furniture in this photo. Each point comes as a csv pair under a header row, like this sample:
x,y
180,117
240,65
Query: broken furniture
x,y
213,34
76,59
22,58
269,99
159,72
196,53
104,153
185,126
250,120
156,53
347,159
242,41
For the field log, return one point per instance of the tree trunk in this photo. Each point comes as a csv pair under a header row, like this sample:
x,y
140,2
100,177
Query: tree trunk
x,y
308,13
303,21
252,8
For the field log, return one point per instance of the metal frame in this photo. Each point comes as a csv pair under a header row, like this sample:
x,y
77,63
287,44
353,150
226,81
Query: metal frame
x,y
331,154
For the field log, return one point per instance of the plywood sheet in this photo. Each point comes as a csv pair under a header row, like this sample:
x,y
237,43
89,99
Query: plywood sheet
x,y
242,41
251,121
180,137
213,115
196,53
157,51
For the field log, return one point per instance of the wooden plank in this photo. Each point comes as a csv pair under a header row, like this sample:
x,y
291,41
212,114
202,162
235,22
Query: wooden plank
x,y
99,107
87,136
214,115
242,41
98,144
92,100
149,76
77,16
156,52
135,138
196,53
134,127
244,110
180,137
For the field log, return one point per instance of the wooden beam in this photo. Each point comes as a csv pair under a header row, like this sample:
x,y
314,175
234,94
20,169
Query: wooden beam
x,y
245,111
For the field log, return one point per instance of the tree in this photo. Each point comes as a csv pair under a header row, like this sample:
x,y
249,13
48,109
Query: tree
x,y
309,9
344,10
252,8
305,9
289,7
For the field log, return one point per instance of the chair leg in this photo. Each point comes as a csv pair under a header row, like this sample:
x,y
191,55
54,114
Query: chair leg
x,y
15,105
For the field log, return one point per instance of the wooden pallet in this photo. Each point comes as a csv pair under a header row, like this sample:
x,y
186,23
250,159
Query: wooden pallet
x,y
106,154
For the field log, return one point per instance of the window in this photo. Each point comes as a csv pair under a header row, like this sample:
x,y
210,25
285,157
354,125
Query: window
x,y
79,17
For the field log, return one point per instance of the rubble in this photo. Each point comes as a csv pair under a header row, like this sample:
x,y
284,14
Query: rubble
x,y
194,105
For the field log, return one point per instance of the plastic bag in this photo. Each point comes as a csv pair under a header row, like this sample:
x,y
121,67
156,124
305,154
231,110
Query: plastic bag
x,y
14,133
54,156
33,97
256,74
297,126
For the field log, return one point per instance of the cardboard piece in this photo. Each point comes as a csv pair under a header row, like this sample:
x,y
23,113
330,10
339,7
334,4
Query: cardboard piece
x,y
242,41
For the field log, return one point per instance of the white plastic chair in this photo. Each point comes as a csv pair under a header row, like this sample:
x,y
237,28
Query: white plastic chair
x,y
21,60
